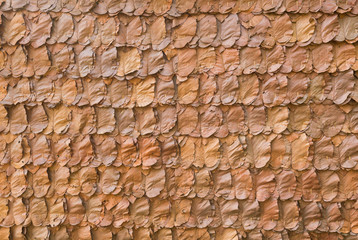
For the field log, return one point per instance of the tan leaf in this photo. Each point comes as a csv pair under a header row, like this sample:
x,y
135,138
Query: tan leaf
x,y
129,61
105,120
40,29
17,119
305,27
15,29
145,91
184,33
38,211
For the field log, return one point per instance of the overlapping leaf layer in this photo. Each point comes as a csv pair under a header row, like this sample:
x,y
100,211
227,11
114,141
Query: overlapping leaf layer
x,y
183,119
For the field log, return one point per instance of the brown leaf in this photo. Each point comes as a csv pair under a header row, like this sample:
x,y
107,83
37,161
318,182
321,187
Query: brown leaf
x,y
15,29
17,119
184,33
37,119
40,150
329,181
129,61
305,28
41,183
311,189
242,183
348,154
85,61
342,87
76,210
322,57
282,29
186,61
286,184
249,88
63,28
18,61
290,214
311,216
38,211
105,120
3,118
56,211
149,151
265,185
250,59
85,29
144,92
109,180
187,120
259,149
269,214
256,119
277,119
207,30
40,29
146,120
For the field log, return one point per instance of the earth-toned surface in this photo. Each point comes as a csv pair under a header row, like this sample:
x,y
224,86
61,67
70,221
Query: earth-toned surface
x,y
183,119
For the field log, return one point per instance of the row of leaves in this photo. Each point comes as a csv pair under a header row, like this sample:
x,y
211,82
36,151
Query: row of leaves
x,y
244,216
178,7
316,120
175,183
195,90
129,63
145,233
193,30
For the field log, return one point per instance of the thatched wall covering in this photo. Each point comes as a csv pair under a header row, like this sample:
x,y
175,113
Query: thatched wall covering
x,y
183,119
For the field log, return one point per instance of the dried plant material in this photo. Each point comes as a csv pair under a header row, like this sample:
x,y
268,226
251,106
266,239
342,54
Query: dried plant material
x,y
139,119
38,211
18,183
256,118
56,211
105,120
248,88
185,32
62,28
85,61
347,152
259,150
129,61
277,119
265,182
15,29
327,119
37,119
40,30
18,61
347,28
17,119
3,118
187,120
311,216
282,29
186,61
41,183
310,186
155,182
305,28
322,57
76,210
300,152
207,30
144,92
85,29
290,214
